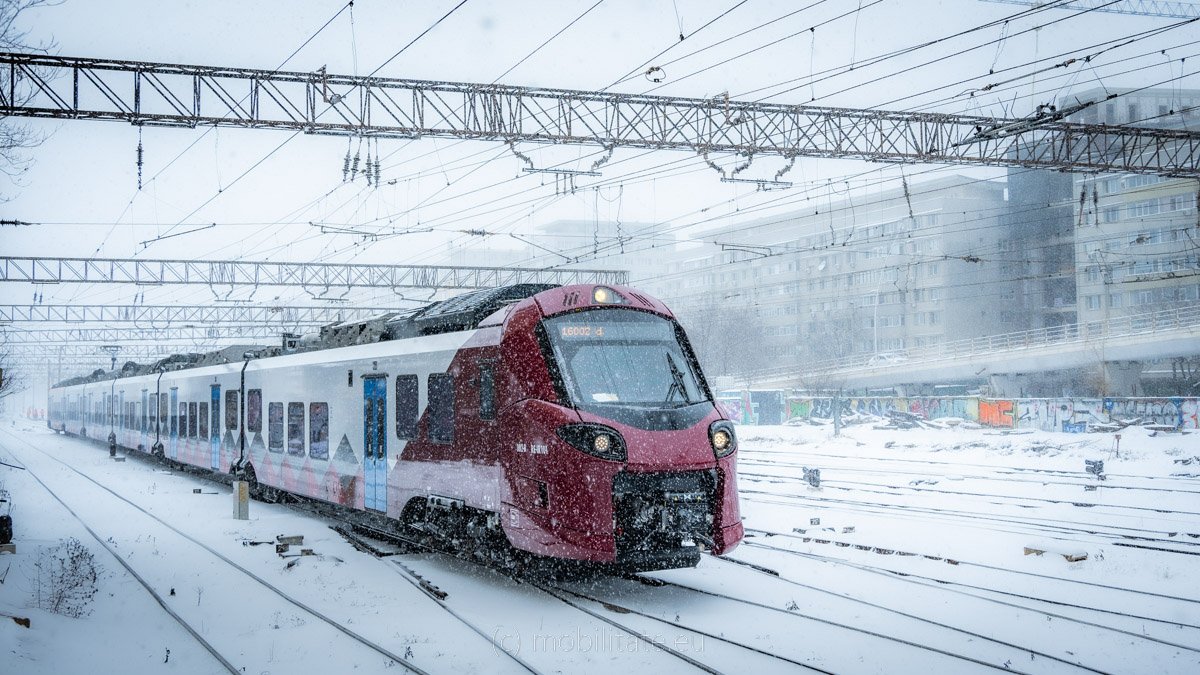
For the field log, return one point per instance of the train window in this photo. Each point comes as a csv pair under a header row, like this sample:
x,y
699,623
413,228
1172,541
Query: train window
x,y
182,420
162,411
441,408
192,420
254,411
202,420
295,428
487,391
406,406
275,427
231,410
318,429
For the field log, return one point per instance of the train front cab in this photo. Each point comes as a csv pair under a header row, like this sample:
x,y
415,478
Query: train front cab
x,y
619,454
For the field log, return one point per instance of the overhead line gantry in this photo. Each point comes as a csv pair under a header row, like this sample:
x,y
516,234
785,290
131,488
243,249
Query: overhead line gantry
x,y
175,95
167,315
322,277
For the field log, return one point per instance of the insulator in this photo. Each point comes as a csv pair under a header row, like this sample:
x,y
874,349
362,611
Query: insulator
x,y
346,166
354,167
378,170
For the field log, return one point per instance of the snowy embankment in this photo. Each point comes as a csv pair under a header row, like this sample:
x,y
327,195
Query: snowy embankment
x,y
956,549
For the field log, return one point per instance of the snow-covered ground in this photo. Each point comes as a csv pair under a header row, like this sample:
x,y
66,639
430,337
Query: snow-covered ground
x,y
911,555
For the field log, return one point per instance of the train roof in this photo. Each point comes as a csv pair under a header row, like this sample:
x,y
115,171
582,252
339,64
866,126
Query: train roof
x,y
461,312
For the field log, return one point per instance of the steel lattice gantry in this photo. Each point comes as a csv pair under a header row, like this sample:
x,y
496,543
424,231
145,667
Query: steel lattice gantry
x,y
33,85
306,275
77,356
166,315
1163,8
55,336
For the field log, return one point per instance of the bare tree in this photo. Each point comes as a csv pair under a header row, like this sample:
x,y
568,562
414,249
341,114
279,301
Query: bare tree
x,y
10,380
17,139
727,339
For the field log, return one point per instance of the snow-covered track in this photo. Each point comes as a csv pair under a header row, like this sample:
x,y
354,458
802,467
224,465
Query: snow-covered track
x,y
547,588
971,639
989,595
429,591
191,630
261,582
956,467
1110,534
965,563
1003,474
613,606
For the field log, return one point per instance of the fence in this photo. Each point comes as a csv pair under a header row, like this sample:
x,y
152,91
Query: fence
x,y
1046,414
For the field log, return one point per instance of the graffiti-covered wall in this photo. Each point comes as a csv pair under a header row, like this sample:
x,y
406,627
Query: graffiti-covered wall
x,y
1047,414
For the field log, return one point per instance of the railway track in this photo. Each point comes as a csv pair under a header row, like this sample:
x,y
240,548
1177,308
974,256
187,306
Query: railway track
x,y
1088,532
966,563
1013,500
1190,481
197,546
1004,476
967,641
987,594
573,598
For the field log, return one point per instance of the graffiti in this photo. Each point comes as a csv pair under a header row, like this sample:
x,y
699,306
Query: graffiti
x,y
1164,411
997,413
1046,414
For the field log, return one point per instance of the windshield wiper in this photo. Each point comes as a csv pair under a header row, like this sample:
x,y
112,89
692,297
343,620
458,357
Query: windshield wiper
x,y
677,382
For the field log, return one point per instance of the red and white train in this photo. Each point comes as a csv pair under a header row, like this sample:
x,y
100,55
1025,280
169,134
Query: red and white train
x,y
573,420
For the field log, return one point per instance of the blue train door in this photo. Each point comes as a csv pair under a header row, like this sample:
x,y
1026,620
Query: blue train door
x,y
215,435
375,442
173,411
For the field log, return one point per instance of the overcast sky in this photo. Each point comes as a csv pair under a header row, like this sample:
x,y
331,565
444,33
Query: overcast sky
x,y
82,187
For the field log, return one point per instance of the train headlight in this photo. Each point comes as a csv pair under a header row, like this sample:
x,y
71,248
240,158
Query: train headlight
x,y
601,443
602,295
722,438
596,440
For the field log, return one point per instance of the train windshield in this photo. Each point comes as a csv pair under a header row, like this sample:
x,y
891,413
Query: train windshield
x,y
623,357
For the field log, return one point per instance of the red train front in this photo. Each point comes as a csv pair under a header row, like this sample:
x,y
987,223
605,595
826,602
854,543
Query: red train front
x,y
612,447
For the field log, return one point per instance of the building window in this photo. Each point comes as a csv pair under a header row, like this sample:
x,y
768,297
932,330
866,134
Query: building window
x,y
1114,300
1147,207
318,425
1093,302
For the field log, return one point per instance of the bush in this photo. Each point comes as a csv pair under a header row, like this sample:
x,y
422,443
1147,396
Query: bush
x,y
66,578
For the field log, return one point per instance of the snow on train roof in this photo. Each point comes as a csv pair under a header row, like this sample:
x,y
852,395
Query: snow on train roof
x,y
459,313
